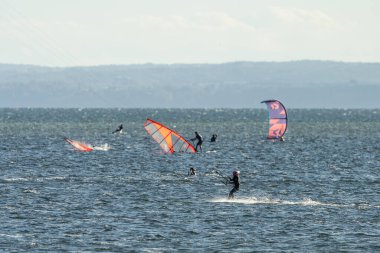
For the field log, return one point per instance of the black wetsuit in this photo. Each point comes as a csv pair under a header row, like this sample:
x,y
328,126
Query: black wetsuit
x,y
213,138
200,141
236,181
118,129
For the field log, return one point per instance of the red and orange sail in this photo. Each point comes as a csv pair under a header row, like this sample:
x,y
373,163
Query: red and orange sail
x,y
278,119
79,145
169,140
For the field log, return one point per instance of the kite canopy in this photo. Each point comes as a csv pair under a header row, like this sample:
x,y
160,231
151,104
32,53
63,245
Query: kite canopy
x,y
169,140
278,119
79,146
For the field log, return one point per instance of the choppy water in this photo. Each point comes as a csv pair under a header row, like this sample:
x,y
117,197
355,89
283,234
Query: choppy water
x,y
317,192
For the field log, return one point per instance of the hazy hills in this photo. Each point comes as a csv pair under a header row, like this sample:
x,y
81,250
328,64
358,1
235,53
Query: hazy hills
x,y
299,84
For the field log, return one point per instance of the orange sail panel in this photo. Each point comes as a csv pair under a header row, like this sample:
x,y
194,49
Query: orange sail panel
x,y
278,119
79,145
169,140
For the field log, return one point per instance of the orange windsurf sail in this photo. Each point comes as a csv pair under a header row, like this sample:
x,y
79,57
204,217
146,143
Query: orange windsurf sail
x,y
79,145
169,140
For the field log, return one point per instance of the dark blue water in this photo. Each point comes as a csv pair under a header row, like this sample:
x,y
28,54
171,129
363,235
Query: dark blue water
x,y
319,191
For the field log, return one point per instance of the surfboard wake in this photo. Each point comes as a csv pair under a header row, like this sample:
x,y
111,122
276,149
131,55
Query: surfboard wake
x,y
269,201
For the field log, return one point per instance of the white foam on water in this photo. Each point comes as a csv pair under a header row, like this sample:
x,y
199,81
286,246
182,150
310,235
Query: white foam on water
x,y
30,191
11,236
104,147
16,179
55,178
270,201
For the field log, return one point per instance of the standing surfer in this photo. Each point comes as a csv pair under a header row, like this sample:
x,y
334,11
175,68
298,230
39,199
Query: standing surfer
x,y
199,143
119,129
236,181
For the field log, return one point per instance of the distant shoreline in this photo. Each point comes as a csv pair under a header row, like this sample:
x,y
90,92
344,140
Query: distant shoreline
x,y
299,84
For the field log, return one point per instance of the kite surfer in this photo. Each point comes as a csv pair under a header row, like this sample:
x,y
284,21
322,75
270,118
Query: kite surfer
x,y
213,138
119,129
236,181
199,143
192,172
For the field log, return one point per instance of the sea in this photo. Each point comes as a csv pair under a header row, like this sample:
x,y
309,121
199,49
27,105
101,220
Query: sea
x,y
318,191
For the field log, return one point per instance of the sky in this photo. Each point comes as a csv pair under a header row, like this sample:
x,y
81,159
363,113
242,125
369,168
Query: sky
x,y
103,32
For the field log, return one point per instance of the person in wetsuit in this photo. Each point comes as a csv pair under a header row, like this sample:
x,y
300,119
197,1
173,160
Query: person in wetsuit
x,y
192,172
213,138
199,143
236,181
119,129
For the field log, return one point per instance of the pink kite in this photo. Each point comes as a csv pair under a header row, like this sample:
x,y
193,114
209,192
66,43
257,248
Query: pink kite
x,y
278,119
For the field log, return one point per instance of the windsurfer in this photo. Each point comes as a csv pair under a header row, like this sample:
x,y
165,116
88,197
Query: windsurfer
x,y
199,143
213,138
236,181
118,129
192,172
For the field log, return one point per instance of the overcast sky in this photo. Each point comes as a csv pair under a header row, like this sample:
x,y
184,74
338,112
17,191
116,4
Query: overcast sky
x,y
97,32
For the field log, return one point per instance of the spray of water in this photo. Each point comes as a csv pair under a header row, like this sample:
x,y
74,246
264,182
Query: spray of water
x,y
270,201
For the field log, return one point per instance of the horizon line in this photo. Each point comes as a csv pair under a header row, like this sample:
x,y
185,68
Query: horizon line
x,y
184,63
189,108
